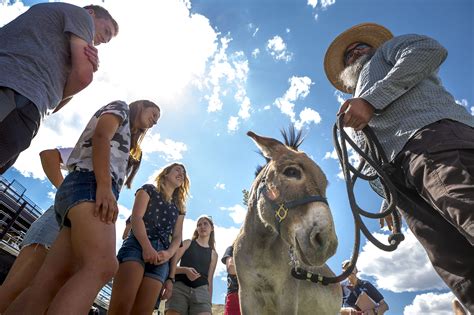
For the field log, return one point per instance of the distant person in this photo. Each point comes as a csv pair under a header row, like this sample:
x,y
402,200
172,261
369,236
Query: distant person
x,y
46,57
192,291
427,138
40,235
82,259
232,306
353,288
157,224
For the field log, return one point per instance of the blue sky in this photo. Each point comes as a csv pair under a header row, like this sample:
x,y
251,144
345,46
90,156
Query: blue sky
x,y
221,68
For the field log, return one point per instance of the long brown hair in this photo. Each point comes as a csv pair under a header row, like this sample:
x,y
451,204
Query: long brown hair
x,y
137,135
180,194
212,237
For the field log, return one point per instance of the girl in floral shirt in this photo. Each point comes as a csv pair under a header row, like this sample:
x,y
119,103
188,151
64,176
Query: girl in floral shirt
x,y
157,223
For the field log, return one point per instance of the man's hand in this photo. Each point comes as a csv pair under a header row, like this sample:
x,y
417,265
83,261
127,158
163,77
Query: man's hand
x,y
93,55
357,113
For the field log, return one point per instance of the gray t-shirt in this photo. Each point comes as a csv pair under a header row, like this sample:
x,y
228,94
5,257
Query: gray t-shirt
x,y
81,156
35,53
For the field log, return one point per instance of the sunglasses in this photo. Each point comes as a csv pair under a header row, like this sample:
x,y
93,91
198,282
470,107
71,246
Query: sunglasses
x,y
348,54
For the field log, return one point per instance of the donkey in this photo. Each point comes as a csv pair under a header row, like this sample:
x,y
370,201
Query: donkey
x,y
273,238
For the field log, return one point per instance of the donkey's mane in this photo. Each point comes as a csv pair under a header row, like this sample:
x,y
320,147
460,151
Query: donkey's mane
x,y
292,139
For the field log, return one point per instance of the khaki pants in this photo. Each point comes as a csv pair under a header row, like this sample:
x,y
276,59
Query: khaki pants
x,y
435,170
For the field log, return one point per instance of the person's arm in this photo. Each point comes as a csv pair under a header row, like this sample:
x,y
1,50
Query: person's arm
x,y
382,307
165,255
190,272
413,58
229,263
106,204
150,255
212,268
51,162
81,73
126,230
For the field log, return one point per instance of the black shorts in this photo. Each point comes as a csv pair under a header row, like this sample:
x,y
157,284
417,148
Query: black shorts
x,y
17,128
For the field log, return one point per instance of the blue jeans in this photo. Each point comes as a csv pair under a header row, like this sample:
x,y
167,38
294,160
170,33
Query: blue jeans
x,y
131,250
43,231
76,188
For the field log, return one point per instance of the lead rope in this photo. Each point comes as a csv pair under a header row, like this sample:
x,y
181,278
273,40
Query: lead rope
x,y
373,155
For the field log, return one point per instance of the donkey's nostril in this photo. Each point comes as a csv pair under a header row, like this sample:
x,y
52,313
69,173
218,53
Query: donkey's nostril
x,y
316,238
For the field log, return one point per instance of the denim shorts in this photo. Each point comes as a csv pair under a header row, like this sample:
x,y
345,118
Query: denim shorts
x,y
131,250
43,231
77,187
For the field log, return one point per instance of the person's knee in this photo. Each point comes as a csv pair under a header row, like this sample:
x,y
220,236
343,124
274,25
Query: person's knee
x,y
104,269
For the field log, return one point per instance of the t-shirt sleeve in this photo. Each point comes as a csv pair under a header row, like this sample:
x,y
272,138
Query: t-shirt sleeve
x,y
149,189
64,153
117,108
229,252
80,23
373,292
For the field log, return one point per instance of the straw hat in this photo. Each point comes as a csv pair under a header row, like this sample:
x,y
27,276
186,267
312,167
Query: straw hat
x,y
368,33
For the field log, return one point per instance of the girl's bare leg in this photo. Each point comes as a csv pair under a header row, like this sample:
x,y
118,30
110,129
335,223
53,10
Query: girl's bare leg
x,y
126,284
93,244
58,266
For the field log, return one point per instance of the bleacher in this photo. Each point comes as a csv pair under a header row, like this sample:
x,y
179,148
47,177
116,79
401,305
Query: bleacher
x,y
17,213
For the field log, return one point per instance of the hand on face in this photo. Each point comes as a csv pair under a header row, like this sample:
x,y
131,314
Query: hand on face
x,y
357,113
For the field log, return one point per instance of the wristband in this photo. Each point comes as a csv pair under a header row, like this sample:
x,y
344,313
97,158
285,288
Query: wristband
x,y
172,279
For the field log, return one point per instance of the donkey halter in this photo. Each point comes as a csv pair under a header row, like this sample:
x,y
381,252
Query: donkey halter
x,y
281,208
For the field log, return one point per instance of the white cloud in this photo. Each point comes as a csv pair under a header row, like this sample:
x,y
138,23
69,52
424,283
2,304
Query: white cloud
x,y
462,102
313,3
406,269
133,66
228,74
237,213
331,155
340,97
316,16
255,52
170,150
430,303
299,89
52,195
327,3
307,116
324,4
8,11
277,49
288,30
220,186
233,124
252,28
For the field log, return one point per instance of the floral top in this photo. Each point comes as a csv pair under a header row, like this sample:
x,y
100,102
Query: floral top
x,y
160,216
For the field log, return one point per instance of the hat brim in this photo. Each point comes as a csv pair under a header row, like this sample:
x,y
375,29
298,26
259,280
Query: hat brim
x,y
369,33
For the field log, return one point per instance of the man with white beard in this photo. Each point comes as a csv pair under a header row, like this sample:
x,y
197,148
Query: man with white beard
x,y
428,138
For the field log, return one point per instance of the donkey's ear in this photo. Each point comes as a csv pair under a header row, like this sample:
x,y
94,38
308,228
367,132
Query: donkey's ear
x,y
270,147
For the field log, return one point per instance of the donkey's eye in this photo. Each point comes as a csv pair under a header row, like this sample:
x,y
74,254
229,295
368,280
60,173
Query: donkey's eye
x,y
292,172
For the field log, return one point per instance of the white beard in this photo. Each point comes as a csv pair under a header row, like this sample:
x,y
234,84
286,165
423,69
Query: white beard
x,y
350,75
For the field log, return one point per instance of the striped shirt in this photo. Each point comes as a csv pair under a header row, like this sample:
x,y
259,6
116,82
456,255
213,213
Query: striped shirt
x,y
401,83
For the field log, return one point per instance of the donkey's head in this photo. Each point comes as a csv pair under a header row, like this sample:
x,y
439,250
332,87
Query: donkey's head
x,y
289,196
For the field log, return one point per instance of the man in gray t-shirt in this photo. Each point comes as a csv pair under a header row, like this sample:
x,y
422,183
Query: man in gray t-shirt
x,y
46,57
